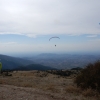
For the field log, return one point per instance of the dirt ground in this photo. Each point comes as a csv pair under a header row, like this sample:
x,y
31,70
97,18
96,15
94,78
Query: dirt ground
x,y
8,92
34,85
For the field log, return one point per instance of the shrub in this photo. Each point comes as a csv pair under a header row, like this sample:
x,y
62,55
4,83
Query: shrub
x,y
89,77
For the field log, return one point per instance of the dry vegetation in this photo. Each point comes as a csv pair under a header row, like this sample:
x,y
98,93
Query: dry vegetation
x,y
58,86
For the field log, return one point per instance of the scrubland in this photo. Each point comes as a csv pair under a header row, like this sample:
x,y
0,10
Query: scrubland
x,y
42,85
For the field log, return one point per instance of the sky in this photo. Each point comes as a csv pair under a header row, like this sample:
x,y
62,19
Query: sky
x,y
27,25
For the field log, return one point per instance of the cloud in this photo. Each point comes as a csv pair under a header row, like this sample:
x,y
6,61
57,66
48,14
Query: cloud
x,y
92,36
43,17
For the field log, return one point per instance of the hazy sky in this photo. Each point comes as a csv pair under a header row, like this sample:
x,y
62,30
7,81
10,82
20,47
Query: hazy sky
x,y
27,25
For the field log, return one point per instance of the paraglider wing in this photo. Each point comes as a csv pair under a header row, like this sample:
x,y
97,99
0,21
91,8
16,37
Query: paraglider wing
x,y
54,37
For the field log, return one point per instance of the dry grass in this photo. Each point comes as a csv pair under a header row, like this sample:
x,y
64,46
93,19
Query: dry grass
x,y
89,92
72,89
61,86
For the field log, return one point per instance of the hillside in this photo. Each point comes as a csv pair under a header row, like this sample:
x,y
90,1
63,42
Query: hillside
x,y
52,61
42,85
64,61
9,62
34,67
13,63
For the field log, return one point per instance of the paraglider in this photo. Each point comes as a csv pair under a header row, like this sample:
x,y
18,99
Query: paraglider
x,y
54,37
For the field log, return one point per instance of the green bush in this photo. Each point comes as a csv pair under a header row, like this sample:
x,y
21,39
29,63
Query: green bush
x,y
89,77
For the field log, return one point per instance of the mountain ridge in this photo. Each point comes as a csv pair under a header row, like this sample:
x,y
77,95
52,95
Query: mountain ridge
x,y
15,63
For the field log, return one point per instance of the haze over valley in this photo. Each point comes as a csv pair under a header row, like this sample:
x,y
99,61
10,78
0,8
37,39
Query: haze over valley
x,y
48,61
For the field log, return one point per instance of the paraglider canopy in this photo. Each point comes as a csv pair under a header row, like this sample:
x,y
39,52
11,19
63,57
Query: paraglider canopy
x,y
54,37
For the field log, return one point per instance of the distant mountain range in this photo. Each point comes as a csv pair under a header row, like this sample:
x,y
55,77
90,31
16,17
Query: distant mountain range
x,y
64,61
14,63
47,61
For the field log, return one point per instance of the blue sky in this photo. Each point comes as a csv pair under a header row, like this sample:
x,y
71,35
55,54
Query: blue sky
x,y
17,45
27,25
